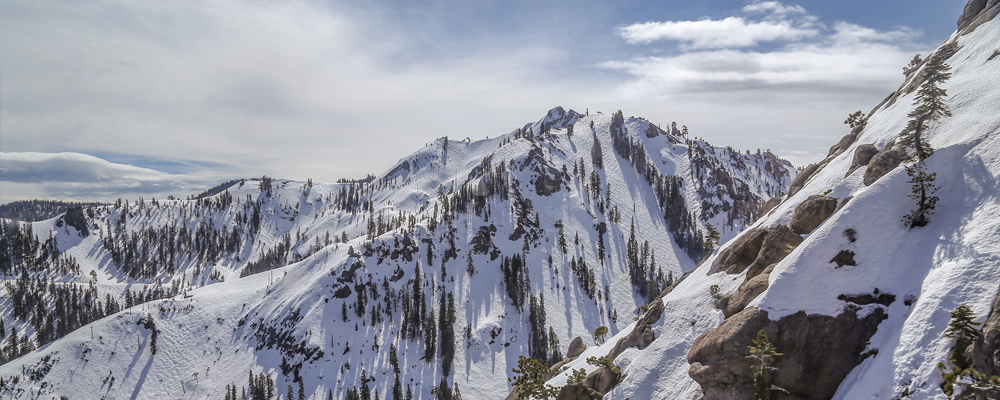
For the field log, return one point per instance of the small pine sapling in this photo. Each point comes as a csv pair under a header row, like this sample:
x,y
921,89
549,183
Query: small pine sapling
x,y
763,353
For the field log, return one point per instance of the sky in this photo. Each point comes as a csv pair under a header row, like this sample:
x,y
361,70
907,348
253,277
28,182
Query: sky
x,y
114,98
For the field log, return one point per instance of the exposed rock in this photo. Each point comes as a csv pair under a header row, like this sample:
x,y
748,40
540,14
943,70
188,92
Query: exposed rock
x,y
602,380
555,369
779,241
846,141
843,202
76,219
862,155
971,11
881,164
576,347
812,212
578,392
819,351
653,313
640,337
974,19
738,256
865,299
748,291
770,204
800,180
844,257
986,350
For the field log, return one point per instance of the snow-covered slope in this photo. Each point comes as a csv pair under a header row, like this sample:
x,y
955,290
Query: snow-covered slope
x,y
336,281
930,270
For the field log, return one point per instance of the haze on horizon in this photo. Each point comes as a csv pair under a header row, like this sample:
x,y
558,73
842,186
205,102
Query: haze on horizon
x,y
103,99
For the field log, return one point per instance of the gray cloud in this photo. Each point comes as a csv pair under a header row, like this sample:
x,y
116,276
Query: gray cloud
x,y
78,175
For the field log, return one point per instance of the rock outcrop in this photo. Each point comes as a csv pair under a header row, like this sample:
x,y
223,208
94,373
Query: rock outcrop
x,y
778,242
800,180
881,164
603,380
846,141
578,391
770,204
862,156
818,352
986,350
977,12
811,213
642,335
738,256
576,347
748,291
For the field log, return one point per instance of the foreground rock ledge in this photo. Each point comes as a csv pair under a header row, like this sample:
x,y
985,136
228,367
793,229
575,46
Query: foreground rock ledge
x,y
819,351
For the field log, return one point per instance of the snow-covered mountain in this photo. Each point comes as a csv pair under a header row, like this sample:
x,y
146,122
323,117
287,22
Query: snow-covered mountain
x,y
857,302
458,260
466,255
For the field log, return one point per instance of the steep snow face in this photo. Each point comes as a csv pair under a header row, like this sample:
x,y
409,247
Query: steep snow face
x,y
532,238
931,270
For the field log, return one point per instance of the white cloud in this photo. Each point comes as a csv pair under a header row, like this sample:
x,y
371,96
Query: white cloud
x,y
778,24
773,7
77,175
808,84
712,34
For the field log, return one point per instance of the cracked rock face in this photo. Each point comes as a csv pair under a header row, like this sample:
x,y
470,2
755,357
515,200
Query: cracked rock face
x,y
811,213
818,352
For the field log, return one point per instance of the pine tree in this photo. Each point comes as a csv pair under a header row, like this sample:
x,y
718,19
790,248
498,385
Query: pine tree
x,y
762,352
963,329
711,240
923,189
856,119
530,379
930,107
290,394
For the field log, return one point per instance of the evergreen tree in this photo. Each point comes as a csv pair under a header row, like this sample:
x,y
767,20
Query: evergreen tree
x,y
291,395
929,106
963,329
397,389
762,352
923,189
711,239
530,379
856,119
